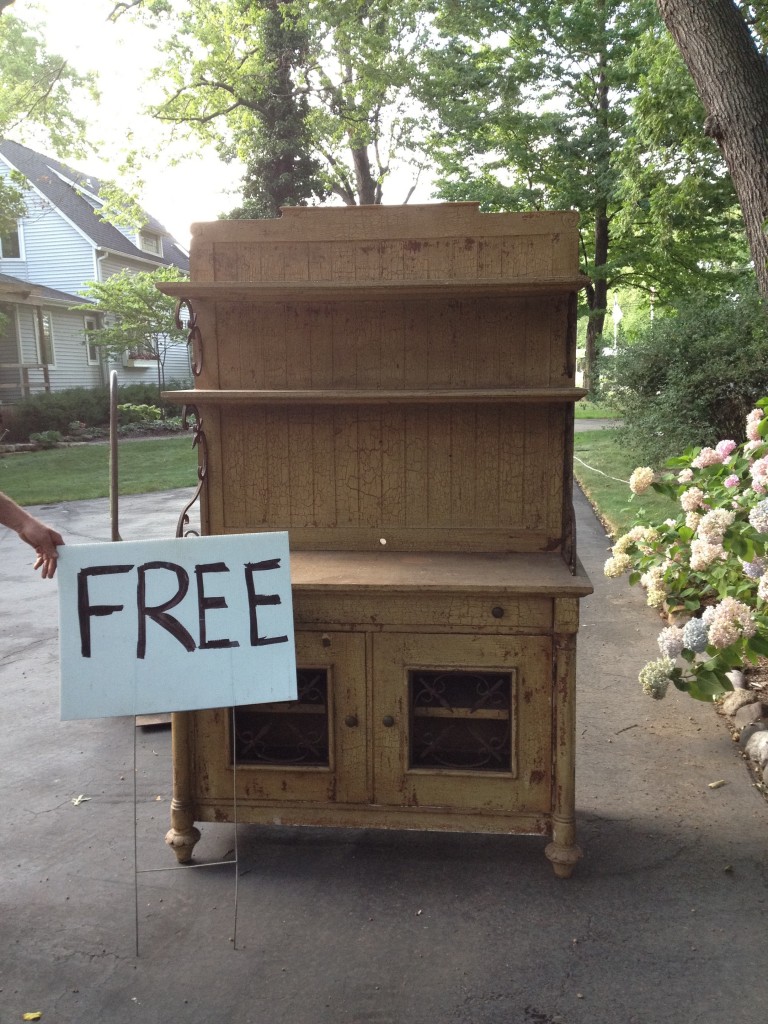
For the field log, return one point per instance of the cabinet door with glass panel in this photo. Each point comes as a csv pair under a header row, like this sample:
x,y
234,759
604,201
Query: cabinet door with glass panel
x,y
463,722
312,749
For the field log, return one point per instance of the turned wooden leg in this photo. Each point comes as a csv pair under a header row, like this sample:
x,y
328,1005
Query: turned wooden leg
x,y
182,835
563,852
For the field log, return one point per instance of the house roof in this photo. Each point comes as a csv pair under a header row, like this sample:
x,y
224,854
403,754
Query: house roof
x,y
13,289
60,184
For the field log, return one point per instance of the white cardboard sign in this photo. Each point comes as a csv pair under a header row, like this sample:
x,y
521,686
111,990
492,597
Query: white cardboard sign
x,y
175,625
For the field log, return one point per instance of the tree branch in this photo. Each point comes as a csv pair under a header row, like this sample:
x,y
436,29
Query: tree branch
x,y
44,95
118,9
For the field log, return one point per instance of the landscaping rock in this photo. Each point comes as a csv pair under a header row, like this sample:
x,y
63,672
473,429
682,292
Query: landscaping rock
x,y
756,748
749,713
749,731
731,702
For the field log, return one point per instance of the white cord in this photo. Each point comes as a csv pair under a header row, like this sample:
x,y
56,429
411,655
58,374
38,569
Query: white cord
x,y
581,463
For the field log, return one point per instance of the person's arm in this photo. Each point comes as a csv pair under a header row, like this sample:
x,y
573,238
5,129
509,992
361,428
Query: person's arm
x,y
44,539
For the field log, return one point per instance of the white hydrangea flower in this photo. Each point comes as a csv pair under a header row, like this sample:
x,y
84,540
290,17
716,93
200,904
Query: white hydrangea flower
x,y
653,581
670,641
692,499
617,565
714,524
703,554
656,677
641,479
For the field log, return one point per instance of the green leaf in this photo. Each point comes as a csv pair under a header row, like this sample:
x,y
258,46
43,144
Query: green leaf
x,y
758,644
707,689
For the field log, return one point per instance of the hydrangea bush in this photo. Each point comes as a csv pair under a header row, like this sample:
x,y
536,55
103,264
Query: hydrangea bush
x,y
707,568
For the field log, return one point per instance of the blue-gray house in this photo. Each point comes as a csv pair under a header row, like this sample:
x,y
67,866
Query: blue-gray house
x,y
45,262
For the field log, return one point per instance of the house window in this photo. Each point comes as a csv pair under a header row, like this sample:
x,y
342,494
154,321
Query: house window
x,y
150,242
10,245
91,324
44,333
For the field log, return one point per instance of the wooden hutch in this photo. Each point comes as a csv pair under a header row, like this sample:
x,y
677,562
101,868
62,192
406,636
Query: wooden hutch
x,y
394,386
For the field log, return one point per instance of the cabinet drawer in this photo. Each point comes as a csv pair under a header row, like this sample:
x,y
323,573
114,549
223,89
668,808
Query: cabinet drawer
x,y
376,611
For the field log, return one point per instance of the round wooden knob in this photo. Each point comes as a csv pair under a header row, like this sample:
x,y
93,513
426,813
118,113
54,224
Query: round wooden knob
x,y
388,720
350,721
497,612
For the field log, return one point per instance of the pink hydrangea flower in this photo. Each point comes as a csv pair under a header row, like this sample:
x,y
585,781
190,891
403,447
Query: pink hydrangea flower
x,y
731,481
725,448
730,620
685,476
753,421
759,472
706,457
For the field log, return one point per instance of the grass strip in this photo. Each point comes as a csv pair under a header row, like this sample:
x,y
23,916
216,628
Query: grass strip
x,y
603,480
585,410
82,471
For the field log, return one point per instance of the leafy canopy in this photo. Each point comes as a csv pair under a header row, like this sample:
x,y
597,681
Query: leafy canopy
x,y
36,93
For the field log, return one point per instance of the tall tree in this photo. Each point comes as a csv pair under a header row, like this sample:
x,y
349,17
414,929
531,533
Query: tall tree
x,y
731,76
323,82
538,106
280,170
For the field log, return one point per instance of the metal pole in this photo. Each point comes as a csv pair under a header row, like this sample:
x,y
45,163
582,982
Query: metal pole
x,y
113,477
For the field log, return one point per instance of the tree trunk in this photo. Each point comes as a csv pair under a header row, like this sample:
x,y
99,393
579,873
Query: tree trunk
x,y
731,78
598,297
366,183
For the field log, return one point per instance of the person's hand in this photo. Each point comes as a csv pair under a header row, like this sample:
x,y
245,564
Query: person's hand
x,y
44,539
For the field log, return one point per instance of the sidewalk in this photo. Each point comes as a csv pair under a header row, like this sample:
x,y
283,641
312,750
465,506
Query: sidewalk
x,y
663,921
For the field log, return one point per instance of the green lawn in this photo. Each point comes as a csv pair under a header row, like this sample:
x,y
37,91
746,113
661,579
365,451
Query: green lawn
x,y
592,411
69,474
602,480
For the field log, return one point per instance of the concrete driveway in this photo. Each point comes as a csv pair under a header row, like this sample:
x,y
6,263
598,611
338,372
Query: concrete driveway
x,y
664,921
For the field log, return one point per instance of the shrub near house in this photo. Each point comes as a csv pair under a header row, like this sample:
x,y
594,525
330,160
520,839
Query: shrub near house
x,y
89,407
708,567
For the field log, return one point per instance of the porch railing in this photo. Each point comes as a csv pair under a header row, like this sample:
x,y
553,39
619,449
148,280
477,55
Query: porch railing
x,y
23,385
